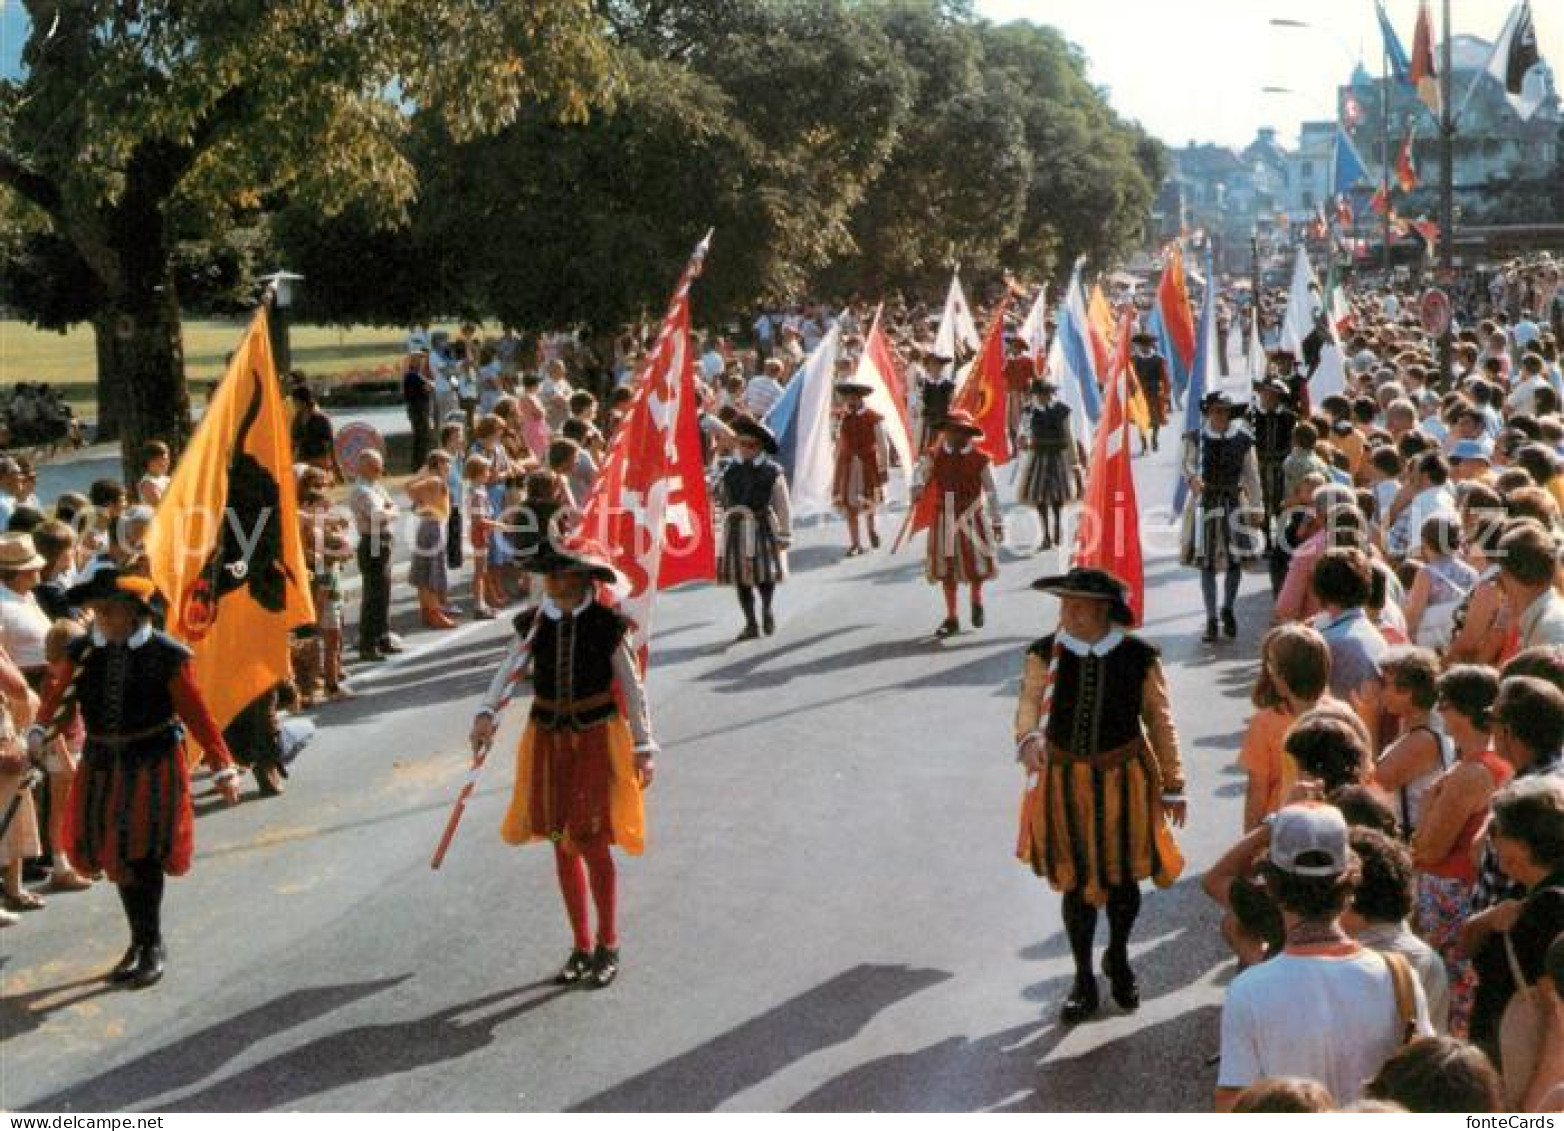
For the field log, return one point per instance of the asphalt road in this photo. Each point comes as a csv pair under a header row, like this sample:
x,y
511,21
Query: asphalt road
x,y
828,915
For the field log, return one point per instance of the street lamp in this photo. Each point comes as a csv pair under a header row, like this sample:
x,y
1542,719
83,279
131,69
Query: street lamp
x,y
281,291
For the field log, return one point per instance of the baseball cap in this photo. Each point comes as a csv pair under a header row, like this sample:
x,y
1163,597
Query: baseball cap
x,y
1310,840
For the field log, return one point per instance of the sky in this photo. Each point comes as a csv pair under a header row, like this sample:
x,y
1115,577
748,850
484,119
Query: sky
x,y
1194,69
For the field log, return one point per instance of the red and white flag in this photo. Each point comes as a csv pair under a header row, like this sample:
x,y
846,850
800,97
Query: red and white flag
x,y
877,368
1108,536
650,511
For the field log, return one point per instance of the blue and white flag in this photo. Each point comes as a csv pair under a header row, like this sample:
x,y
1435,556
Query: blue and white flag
x,y
814,453
1077,376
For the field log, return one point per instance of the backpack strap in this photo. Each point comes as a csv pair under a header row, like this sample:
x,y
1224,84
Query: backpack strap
x,y
1401,978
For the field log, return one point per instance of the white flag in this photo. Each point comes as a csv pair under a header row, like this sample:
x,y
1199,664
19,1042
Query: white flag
x,y
958,335
1302,307
815,457
1034,331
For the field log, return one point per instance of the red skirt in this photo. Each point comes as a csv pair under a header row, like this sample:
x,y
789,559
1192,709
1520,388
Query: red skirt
x,y
576,787
130,805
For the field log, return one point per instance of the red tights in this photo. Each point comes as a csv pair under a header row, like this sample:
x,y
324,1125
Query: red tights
x,y
575,865
953,587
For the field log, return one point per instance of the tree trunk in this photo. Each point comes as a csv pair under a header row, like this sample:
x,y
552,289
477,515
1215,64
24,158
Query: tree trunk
x,y
141,361
110,403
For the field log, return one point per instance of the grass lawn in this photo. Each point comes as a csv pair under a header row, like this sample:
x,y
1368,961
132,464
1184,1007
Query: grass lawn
x,y
70,359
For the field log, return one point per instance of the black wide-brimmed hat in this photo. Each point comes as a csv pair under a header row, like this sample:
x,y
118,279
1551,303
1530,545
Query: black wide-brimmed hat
x,y
853,389
1143,339
107,583
1220,399
1041,385
579,557
755,430
1273,384
1092,584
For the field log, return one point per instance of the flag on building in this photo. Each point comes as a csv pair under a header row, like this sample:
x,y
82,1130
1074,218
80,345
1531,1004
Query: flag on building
x,y
877,368
1351,110
1108,535
983,393
649,510
1514,56
1380,202
1395,53
1344,214
224,547
1348,170
957,337
1406,164
1424,77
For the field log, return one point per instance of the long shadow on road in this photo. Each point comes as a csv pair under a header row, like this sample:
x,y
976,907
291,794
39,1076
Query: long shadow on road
x,y
830,1014
192,1059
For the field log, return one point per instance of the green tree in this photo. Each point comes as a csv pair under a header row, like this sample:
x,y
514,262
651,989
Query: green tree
x,y
140,124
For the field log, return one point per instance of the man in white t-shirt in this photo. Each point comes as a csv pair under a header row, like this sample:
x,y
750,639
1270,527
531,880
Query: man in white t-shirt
x,y
1327,1008
764,390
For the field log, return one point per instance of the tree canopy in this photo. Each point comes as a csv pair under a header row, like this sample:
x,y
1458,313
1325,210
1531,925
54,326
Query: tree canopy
x,y
837,147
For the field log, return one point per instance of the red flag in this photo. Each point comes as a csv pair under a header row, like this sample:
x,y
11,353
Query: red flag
x,y
1424,77
1406,167
1343,210
983,393
1109,533
1429,231
1381,201
1173,303
1351,112
650,511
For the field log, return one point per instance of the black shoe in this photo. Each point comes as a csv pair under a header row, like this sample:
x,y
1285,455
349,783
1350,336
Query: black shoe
x,y
751,632
1121,980
605,967
1211,633
1081,1003
391,645
977,616
576,967
1229,623
948,627
371,656
126,966
149,967
874,540
768,624
268,778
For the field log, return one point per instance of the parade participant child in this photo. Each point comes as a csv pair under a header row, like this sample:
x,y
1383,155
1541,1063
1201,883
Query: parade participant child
x,y
965,531
154,480
1094,730
475,476
863,464
1052,458
1223,519
430,493
130,813
756,524
584,760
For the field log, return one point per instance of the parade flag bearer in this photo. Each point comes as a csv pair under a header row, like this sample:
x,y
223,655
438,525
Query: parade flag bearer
x,y
1094,729
955,499
863,464
129,813
587,752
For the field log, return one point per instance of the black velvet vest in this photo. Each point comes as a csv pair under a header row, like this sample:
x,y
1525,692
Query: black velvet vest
x,y
750,484
1097,700
124,690
573,667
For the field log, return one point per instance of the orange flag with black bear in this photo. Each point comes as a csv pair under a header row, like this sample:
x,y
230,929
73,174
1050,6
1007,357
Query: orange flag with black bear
x,y
224,547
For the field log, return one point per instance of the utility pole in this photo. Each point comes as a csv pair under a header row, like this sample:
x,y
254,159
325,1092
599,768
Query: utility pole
x,y
1446,195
